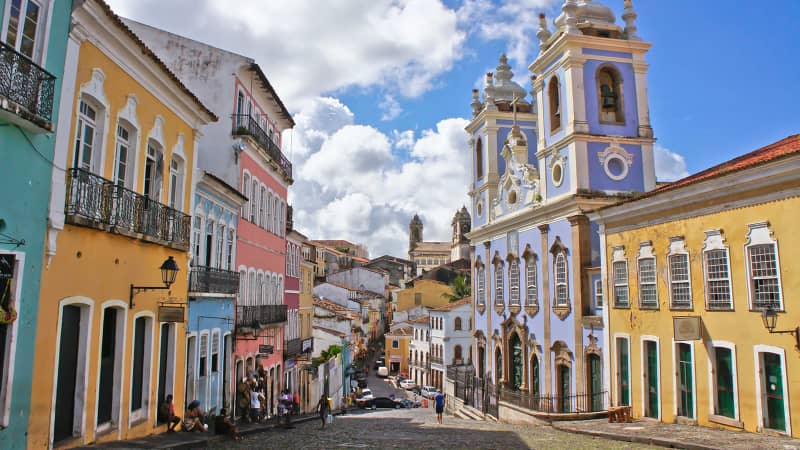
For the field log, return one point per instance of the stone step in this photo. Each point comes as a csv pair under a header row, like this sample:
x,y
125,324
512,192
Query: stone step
x,y
473,411
491,418
471,414
460,414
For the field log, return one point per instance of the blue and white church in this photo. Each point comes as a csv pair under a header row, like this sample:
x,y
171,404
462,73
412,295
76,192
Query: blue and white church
x,y
581,140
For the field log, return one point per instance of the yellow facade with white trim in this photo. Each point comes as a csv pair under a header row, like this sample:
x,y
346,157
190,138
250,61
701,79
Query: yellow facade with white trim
x,y
739,329
94,269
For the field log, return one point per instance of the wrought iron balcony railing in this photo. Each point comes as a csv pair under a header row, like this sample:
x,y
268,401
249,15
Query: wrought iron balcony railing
x,y
27,85
293,347
256,317
246,125
96,202
212,280
436,360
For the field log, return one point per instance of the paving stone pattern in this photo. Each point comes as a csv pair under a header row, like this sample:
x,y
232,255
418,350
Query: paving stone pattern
x,y
417,429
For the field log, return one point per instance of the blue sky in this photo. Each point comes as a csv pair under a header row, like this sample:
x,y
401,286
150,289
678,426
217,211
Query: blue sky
x,y
724,77
380,91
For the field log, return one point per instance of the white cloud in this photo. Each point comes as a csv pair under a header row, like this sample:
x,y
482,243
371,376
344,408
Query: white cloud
x,y
308,47
351,184
670,166
390,107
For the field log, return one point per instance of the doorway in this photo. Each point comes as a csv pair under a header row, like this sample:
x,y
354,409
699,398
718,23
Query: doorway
x,y
685,381
595,382
651,378
166,362
623,372
191,357
69,402
563,385
112,343
774,396
515,347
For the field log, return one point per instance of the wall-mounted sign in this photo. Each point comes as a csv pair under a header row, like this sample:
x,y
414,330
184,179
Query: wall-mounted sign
x,y
308,345
170,314
687,328
266,349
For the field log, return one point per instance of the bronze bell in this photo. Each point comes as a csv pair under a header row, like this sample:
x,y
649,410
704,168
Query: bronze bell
x,y
609,97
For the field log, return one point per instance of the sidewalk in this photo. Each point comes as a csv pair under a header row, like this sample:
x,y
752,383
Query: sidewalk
x,y
182,440
677,436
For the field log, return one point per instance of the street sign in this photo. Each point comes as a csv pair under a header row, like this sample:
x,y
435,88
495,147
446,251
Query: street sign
x,y
266,349
170,313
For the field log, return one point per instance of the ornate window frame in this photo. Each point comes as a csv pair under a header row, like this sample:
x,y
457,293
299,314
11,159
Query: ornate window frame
x,y
616,78
514,297
499,283
677,252
620,283
758,235
612,153
715,242
562,306
531,286
555,102
480,285
646,253
558,161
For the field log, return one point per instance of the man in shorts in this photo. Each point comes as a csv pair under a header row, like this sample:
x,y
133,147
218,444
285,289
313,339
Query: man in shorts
x,y
439,399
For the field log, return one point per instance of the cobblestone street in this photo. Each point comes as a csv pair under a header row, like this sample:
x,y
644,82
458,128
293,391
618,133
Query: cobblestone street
x,y
417,429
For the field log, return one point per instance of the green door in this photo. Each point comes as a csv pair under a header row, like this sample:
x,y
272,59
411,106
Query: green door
x,y
652,379
564,386
624,371
516,361
775,417
685,377
724,382
595,383
535,376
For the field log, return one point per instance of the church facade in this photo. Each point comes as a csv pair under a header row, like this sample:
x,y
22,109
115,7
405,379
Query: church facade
x,y
427,255
580,141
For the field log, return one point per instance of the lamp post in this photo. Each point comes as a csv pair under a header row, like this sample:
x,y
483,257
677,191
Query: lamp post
x,y
769,317
169,270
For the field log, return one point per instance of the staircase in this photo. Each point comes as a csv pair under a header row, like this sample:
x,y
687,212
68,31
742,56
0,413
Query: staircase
x,y
470,413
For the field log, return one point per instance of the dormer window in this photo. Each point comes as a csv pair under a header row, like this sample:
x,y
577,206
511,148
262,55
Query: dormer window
x,y
553,93
609,95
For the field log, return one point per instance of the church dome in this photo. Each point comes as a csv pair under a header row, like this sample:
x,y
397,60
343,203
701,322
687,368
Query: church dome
x,y
591,12
504,88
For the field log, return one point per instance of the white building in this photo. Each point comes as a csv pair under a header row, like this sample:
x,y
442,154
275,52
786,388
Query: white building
x,y
451,338
420,351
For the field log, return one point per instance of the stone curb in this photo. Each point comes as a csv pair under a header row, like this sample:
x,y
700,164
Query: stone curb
x,y
201,443
663,442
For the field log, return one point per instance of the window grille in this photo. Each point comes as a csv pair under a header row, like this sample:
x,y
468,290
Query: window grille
x,y
621,284
513,282
680,291
647,282
561,280
598,293
718,286
530,278
764,276
498,284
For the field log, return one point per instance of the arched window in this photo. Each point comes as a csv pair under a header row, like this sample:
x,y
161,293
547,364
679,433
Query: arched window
x,y
609,95
498,284
531,291
554,97
262,208
268,225
513,282
260,289
153,170
457,324
242,287
254,202
562,297
252,291
479,159
176,178
457,354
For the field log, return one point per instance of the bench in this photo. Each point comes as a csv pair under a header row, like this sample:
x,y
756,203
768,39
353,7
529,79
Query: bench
x,y
620,414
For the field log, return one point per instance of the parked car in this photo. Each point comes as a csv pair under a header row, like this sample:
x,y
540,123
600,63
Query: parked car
x,y
407,403
408,384
383,372
364,398
384,403
428,391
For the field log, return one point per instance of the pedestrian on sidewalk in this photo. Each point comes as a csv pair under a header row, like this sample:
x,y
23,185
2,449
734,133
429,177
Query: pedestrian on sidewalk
x,y
193,420
167,414
439,405
224,425
322,407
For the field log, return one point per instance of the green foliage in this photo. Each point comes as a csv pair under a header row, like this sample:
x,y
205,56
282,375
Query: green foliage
x,y
459,288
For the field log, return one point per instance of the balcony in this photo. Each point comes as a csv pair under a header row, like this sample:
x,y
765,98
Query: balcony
x,y
435,360
246,125
293,347
256,317
26,91
95,202
210,280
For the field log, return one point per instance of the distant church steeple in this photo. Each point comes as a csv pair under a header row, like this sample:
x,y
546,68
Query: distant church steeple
x,y
414,232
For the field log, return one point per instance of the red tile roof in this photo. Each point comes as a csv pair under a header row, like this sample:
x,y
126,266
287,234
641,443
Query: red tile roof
x,y
785,147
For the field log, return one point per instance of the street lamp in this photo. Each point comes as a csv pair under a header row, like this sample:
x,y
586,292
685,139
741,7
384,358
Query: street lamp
x,y
169,270
769,317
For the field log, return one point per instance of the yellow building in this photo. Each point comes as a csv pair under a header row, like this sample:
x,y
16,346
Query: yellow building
x,y
398,343
308,393
422,292
118,215
690,271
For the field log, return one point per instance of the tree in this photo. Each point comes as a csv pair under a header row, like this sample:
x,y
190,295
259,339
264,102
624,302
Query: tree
x,y
459,288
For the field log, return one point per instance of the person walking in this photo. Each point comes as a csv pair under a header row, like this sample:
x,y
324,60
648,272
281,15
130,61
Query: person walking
x,y
323,409
439,405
